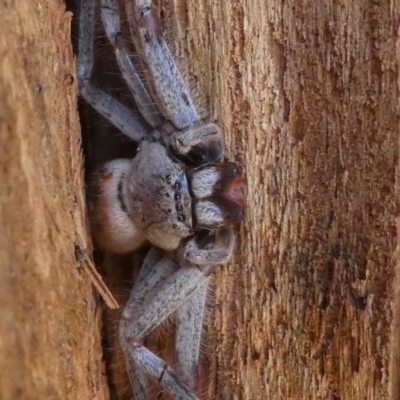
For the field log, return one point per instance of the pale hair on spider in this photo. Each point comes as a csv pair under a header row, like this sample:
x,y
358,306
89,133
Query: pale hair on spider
x,y
174,194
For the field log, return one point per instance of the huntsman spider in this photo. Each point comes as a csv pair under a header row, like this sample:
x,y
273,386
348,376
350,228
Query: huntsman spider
x,y
174,194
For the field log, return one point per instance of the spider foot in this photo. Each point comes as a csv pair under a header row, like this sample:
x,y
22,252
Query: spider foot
x,y
161,372
198,145
208,249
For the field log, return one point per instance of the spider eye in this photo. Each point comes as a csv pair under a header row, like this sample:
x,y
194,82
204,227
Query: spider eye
x,y
177,197
179,207
177,185
181,218
144,11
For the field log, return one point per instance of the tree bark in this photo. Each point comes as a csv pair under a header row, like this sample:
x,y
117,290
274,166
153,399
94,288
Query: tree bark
x,y
307,94
50,323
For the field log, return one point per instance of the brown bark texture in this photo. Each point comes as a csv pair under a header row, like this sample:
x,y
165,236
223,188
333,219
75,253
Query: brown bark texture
x,y
49,328
307,95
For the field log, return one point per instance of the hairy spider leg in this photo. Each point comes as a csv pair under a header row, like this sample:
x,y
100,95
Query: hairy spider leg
x,y
111,21
169,90
189,327
153,299
172,96
146,280
162,289
189,319
119,115
197,143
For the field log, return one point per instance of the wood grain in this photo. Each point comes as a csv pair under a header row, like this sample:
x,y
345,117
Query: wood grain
x,y
307,95
50,322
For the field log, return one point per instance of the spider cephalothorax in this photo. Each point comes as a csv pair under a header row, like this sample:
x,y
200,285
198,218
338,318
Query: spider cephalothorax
x,y
174,194
152,198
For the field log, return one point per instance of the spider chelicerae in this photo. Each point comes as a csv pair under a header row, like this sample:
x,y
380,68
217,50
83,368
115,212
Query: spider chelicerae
x,y
174,193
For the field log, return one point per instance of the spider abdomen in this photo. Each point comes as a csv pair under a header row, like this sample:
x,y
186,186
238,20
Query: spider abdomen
x,y
108,210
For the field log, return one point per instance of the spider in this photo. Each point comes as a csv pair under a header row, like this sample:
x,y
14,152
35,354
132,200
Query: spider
x,y
173,194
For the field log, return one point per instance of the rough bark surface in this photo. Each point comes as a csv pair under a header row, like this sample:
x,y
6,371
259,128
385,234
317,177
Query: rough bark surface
x,y
49,329
307,94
